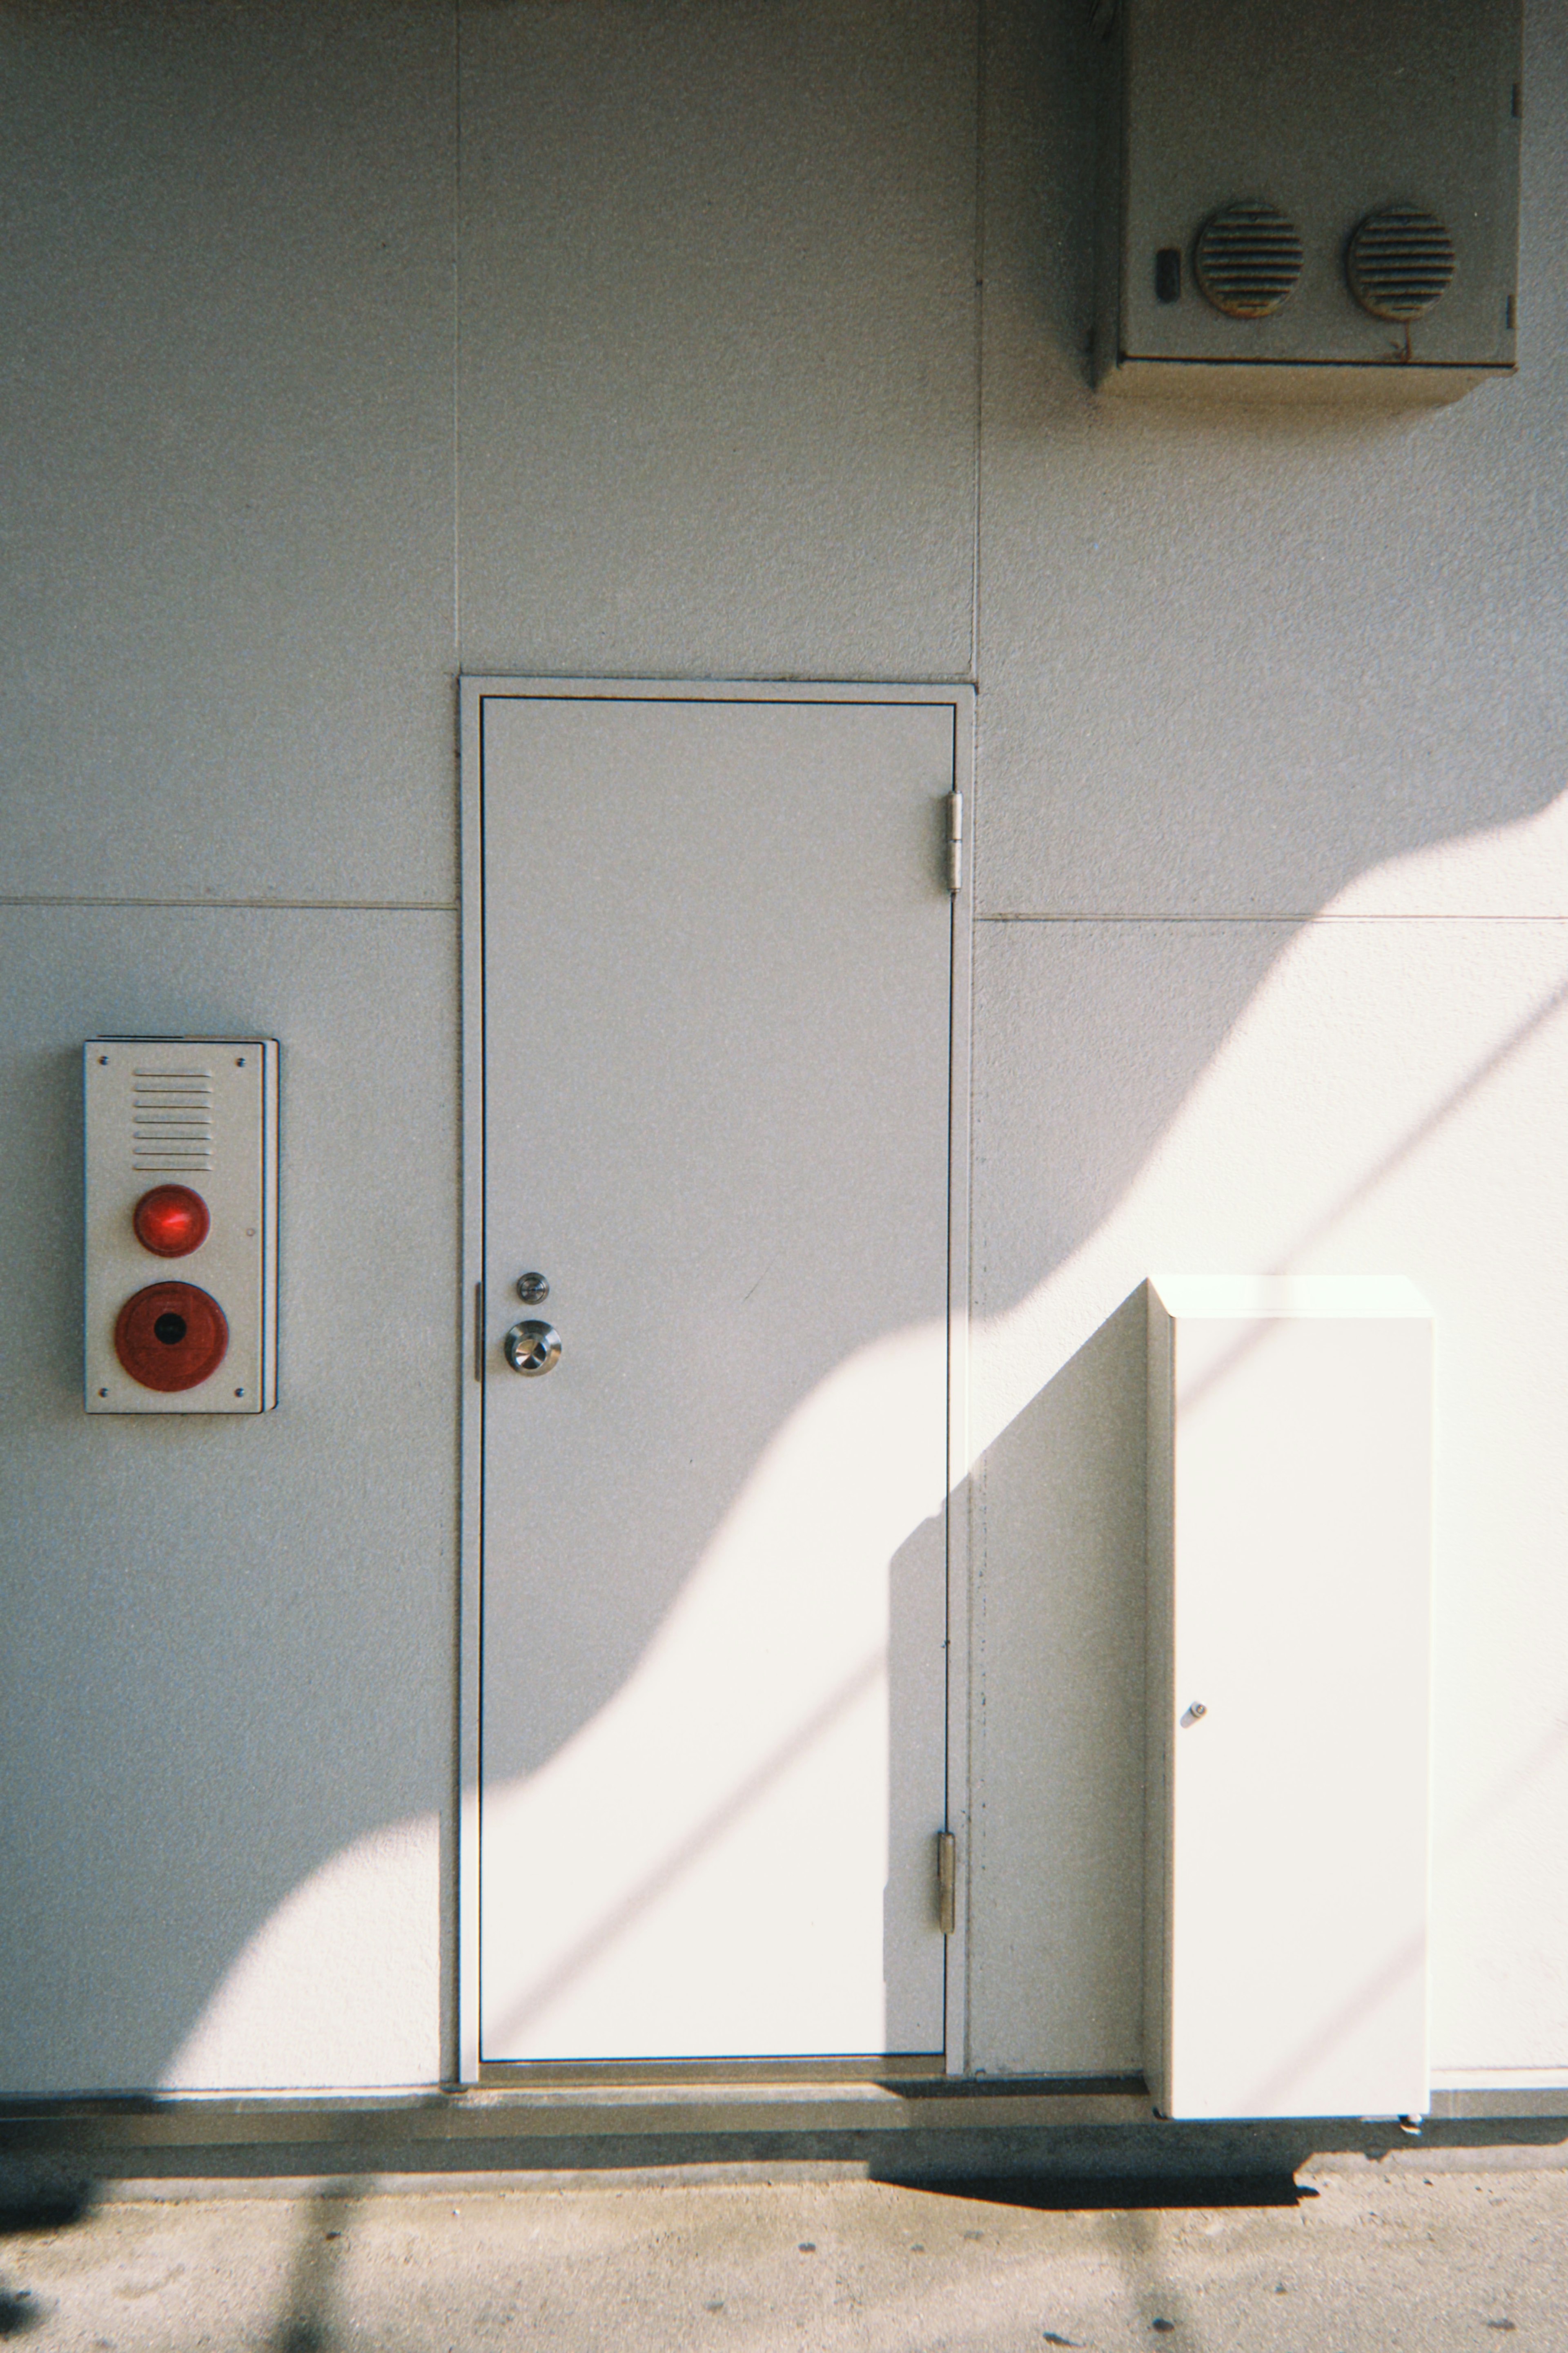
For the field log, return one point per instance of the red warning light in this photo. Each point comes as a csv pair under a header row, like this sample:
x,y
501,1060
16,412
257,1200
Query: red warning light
x,y
170,1221
170,1335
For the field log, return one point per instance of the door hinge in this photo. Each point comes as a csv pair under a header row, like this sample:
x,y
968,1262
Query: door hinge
x,y
955,841
946,1882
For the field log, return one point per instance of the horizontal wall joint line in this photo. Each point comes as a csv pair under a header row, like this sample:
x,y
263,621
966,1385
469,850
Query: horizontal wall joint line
x,y
1287,916
259,906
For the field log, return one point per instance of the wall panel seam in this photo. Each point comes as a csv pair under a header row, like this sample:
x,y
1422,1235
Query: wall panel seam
x,y
1296,915
981,29
256,906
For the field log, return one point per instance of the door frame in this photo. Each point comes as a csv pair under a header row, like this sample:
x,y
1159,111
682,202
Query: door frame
x,y
463,2003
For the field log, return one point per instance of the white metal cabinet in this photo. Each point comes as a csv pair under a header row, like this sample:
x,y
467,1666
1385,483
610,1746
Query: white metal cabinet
x,y
715,988
1290,1544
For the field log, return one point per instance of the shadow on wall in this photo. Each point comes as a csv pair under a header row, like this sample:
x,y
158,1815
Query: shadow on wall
x,y
1389,1100
1245,1094
1367,1110
213,1680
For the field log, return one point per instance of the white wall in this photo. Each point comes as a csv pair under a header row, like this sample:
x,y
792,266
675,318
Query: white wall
x,y
1271,982
718,362
668,364
226,757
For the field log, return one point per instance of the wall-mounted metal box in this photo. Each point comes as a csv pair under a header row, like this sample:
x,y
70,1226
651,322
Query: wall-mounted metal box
x,y
1289,1589
182,1225
1318,199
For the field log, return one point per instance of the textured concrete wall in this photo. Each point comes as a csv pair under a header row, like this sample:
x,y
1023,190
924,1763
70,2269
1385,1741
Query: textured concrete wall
x,y
347,349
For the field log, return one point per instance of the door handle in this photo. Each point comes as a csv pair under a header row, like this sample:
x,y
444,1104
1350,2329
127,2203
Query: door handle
x,y
533,1348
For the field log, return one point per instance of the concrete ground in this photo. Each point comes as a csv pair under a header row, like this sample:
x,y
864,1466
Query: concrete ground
x,y
1368,2261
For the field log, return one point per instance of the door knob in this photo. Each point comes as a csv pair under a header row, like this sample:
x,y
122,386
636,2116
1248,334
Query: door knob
x,y
533,1348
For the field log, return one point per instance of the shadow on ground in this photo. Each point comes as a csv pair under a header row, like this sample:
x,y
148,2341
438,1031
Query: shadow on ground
x,y
38,2197
1099,2192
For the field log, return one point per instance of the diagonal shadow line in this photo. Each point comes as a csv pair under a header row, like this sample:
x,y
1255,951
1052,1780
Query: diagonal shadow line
x,y
612,1923
1134,2242
307,2324
1411,1955
1409,1144
1405,1959
1507,1786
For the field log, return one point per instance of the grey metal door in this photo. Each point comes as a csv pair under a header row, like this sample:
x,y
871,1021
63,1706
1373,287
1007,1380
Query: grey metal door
x,y
716,1007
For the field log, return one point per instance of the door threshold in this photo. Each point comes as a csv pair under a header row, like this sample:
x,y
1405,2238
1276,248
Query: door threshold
x,y
724,2102
510,2127
598,2074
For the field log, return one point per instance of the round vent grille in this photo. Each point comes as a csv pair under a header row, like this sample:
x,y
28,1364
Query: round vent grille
x,y
1248,258
1399,263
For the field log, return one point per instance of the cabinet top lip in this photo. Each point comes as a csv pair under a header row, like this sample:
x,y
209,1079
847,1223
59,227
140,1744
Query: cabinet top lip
x,y
1238,1297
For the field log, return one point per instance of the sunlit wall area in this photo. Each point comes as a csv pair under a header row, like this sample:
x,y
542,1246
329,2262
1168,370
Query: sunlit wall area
x,y
348,350
1272,873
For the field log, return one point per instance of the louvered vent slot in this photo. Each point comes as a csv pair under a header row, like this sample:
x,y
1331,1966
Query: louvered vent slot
x,y
1247,259
171,1121
1400,262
